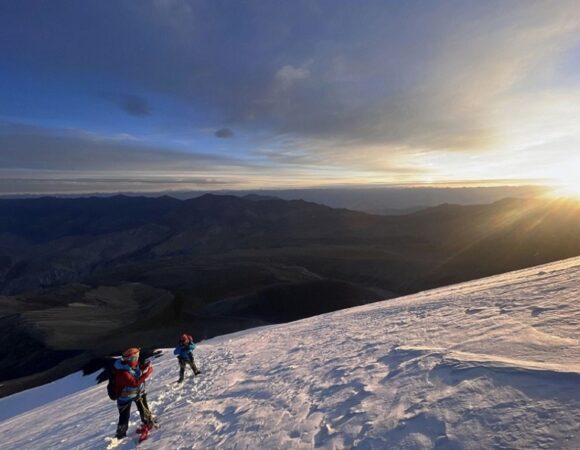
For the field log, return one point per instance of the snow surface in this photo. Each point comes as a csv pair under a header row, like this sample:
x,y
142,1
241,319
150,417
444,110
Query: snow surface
x,y
493,363
33,398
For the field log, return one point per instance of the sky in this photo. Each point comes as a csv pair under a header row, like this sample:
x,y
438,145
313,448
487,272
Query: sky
x,y
150,95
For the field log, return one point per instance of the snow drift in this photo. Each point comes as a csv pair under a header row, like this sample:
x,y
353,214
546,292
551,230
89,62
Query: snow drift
x,y
493,363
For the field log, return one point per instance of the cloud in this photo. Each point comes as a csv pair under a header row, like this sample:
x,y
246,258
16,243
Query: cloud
x,y
62,182
27,147
135,105
39,160
288,75
349,87
224,133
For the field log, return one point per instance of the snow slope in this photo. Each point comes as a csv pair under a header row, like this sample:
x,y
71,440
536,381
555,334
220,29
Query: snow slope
x,y
493,363
33,398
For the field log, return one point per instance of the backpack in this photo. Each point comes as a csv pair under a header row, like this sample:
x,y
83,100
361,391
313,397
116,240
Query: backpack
x,y
112,386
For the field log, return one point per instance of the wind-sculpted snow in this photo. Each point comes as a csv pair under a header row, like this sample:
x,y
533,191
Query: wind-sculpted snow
x,y
493,363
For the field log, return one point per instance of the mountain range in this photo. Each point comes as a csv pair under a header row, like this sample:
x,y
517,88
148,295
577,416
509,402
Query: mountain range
x,y
81,278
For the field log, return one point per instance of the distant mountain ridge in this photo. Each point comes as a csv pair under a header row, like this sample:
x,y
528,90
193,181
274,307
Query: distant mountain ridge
x,y
50,241
392,200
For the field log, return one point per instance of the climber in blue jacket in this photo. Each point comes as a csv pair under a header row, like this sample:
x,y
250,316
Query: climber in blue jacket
x,y
184,352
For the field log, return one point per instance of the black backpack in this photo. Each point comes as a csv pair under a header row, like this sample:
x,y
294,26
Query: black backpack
x,y
112,386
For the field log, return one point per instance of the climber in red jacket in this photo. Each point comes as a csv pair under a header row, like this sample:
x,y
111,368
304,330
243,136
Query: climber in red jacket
x,y
130,379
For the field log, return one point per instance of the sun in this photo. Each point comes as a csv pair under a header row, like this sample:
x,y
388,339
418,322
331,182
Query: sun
x,y
568,188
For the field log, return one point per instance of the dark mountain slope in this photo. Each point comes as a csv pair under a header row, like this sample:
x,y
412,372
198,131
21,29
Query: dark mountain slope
x,y
514,239
48,218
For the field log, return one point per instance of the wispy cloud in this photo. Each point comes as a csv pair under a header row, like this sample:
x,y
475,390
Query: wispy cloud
x,y
288,75
27,147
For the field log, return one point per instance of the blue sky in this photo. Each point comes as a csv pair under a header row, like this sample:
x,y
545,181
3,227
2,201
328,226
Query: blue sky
x,y
180,94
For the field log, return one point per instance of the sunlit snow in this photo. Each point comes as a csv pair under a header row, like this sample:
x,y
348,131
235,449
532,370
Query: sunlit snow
x,y
493,363
32,398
